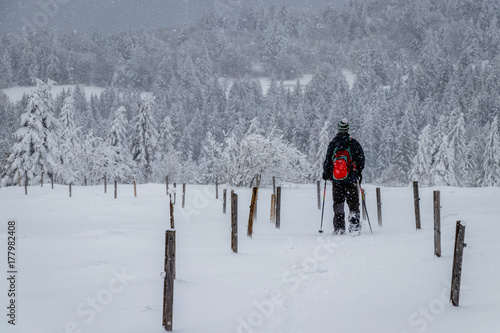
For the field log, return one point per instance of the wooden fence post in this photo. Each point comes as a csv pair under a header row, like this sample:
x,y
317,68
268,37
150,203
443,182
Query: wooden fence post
x,y
318,189
135,188
379,206
26,182
70,190
105,184
19,177
168,287
251,216
172,224
416,200
41,180
234,222
116,190
183,194
175,192
457,263
224,199
272,218
274,186
437,224
52,180
278,207
216,188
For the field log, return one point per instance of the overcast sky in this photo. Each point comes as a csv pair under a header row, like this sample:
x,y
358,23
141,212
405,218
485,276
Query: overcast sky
x,y
117,15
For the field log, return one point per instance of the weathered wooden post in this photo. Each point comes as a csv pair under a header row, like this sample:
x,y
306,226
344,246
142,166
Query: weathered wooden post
x,y
416,200
172,224
19,177
168,287
41,180
116,190
274,186
175,192
251,216
318,190
278,207
52,180
135,188
183,194
457,263
272,218
224,198
234,222
216,188
437,224
379,206
70,190
85,181
105,184
256,201
26,182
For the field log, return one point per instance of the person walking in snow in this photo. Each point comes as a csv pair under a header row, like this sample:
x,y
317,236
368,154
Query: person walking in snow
x,y
344,162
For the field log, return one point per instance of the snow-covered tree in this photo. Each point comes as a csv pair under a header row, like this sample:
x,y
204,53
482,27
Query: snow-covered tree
x,y
70,145
422,161
36,149
118,161
490,171
238,161
145,140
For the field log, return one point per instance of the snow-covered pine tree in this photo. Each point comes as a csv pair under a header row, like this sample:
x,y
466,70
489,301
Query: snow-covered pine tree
x,y
70,144
490,171
169,163
36,150
145,140
119,160
423,159
323,141
459,148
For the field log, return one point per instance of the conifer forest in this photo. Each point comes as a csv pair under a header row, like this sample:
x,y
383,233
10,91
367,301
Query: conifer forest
x,y
418,81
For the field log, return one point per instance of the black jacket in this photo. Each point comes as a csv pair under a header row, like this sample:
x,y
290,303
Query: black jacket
x,y
358,158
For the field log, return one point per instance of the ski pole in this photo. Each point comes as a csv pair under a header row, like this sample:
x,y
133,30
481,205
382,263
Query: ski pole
x,y
323,210
364,206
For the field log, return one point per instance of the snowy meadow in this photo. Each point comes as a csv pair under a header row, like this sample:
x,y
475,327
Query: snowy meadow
x,y
92,263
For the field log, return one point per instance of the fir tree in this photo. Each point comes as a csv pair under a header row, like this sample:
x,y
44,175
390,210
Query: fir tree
x,y
70,145
490,175
36,149
145,140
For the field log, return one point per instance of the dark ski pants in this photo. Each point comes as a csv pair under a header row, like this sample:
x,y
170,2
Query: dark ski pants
x,y
344,192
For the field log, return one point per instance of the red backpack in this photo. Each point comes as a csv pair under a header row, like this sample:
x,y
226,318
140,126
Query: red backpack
x,y
342,163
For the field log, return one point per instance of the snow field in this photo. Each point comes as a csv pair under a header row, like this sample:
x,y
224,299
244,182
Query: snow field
x,y
91,263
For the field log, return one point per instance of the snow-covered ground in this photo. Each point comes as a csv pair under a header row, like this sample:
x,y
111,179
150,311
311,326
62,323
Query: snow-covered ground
x,y
92,263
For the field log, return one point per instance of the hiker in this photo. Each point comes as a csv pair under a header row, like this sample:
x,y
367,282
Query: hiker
x,y
343,165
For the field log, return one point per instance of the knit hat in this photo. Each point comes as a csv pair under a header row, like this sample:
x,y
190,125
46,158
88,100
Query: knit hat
x,y
343,126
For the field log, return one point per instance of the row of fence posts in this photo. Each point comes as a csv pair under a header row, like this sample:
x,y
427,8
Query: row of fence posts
x,y
105,185
169,262
459,234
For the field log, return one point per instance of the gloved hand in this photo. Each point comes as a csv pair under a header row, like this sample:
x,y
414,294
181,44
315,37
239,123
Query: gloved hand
x,y
327,175
360,177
